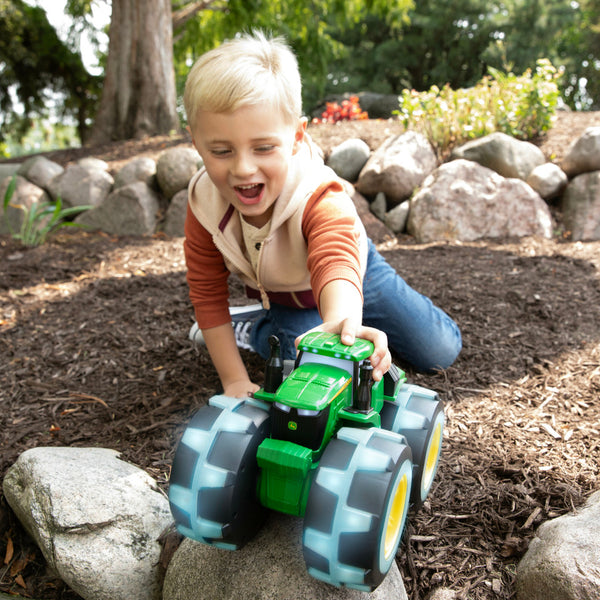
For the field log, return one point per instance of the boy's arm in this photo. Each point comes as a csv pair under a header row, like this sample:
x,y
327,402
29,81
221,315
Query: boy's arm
x,y
329,225
224,353
207,279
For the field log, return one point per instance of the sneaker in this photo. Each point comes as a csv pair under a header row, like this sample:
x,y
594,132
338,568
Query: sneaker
x,y
242,319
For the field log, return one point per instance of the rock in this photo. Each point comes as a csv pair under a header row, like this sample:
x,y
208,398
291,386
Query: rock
x,y
139,169
562,560
584,154
91,164
26,194
548,180
502,153
348,158
7,170
397,167
95,518
581,207
175,168
269,567
79,185
397,218
378,106
40,171
379,206
464,201
129,210
175,217
375,228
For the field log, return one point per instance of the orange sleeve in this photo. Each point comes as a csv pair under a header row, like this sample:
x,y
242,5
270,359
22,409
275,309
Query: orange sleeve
x,y
206,275
333,240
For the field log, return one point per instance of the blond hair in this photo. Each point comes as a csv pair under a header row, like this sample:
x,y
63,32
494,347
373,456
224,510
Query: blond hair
x,y
249,69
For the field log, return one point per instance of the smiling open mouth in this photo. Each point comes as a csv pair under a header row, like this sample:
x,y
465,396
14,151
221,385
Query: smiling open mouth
x,y
249,192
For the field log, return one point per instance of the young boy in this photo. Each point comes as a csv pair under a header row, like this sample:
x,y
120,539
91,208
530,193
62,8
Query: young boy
x,y
266,208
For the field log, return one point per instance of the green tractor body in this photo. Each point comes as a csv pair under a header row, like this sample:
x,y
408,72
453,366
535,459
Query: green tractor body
x,y
326,443
307,410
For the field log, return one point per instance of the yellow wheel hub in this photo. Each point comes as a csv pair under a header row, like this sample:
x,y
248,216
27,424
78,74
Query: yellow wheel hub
x,y
432,456
396,518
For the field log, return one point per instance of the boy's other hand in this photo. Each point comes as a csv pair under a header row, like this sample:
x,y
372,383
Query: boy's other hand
x,y
240,389
348,330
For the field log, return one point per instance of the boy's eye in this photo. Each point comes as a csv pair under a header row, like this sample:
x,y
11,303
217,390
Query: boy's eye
x,y
265,148
220,151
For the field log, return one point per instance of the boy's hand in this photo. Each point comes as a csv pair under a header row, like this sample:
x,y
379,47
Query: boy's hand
x,y
240,389
381,359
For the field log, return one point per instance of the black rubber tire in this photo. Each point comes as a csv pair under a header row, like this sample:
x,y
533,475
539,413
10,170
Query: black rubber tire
x,y
212,490
357,507
418,415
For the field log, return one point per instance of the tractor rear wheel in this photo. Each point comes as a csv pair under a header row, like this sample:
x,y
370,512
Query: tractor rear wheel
x,y
418,415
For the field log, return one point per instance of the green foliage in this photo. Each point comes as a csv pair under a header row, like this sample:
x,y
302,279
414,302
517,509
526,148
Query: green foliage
x,y
41,71
455,41
520,106
310,27
39,220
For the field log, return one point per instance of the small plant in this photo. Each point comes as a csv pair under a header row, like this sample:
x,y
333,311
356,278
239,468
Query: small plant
x,y
520,106
348,110
40,219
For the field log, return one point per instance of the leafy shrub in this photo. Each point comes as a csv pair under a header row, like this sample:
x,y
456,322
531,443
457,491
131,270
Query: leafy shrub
x,y
520,106
40,219
348,110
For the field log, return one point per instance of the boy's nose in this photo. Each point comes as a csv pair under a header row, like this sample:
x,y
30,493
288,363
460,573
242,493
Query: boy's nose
x,y
243,165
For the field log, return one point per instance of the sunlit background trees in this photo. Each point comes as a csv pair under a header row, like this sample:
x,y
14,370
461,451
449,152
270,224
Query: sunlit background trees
x,y
50,96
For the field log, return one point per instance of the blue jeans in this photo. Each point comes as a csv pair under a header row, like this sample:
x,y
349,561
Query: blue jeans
x,y
419,333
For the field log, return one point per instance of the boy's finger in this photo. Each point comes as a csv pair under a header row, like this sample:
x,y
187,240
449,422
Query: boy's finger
x,y
348,332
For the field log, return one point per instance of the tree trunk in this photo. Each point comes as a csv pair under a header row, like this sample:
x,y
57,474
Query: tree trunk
x,y
138,98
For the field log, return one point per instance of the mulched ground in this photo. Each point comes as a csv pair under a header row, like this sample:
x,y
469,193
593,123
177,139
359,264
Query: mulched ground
x,y
93,339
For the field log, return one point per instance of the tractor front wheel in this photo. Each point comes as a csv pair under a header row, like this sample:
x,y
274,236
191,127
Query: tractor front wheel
x,y
357,508
212,490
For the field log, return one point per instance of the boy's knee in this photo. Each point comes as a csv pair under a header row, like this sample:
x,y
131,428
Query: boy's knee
x,y
443,353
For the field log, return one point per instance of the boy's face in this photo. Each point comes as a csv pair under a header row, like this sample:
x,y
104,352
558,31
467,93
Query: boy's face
x,y
246,154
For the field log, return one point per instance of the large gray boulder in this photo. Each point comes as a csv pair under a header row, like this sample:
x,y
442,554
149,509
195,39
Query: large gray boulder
x,y
270,567
562,560
81,185
461,200
96,519
581,207
128,210
584,154
397,167
502,153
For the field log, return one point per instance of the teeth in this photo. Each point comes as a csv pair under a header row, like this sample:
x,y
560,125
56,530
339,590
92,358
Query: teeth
x,y
248,187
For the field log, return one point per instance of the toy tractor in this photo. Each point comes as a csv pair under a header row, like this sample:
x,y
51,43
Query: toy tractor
x,y
325,442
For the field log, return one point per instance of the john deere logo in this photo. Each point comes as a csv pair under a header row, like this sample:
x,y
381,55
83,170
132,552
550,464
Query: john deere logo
x,y
292,425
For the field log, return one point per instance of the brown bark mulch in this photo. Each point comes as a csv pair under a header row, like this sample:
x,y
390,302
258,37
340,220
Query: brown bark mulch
x,y
93,340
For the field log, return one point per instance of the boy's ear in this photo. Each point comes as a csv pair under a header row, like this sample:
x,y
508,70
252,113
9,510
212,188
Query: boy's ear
x,y
189,130
300,132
